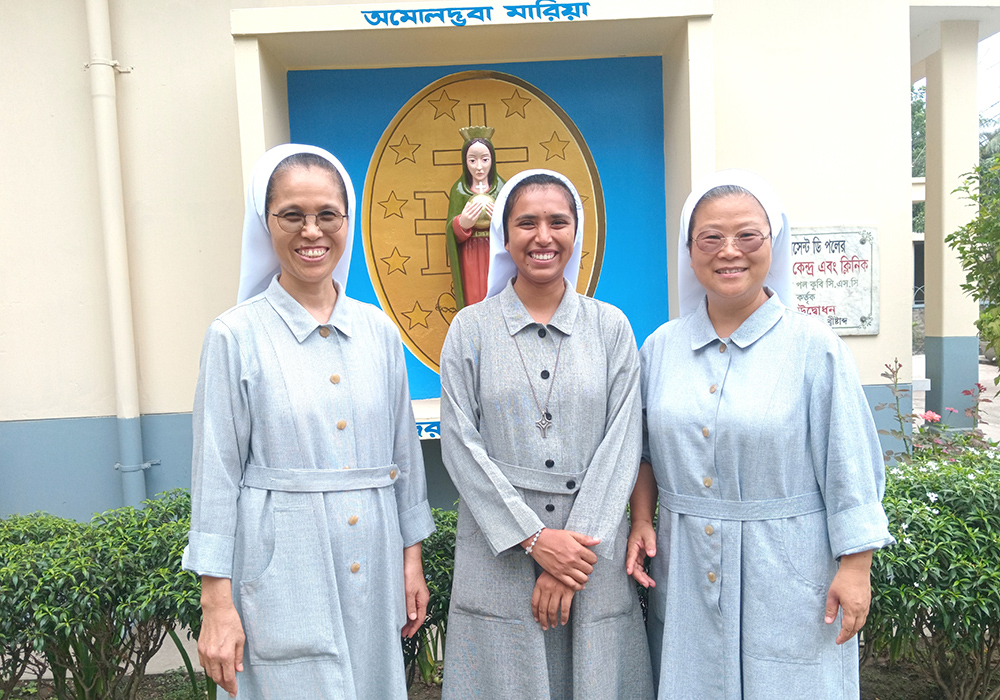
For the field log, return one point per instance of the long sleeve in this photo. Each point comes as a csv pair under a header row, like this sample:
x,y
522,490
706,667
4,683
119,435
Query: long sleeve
x,y
502,515
221,427
600,504
415,519
847,455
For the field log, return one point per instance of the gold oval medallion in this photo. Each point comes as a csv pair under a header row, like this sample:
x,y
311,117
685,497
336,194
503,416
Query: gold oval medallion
x,y
414,167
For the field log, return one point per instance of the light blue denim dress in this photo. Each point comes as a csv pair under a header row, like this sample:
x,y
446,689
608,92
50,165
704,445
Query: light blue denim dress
x,y
769,469
307,482
512,481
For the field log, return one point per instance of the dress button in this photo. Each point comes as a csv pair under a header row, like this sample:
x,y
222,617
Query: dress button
x,y
704,431
335,379
545,374
571,484
712,389
392,474
353,520
341,424
550,507
549,463
711,576
709,529
324,331
541,332
707,481
355,567
722,348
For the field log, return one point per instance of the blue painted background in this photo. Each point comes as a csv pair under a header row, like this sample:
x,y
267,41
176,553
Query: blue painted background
x,y
616,103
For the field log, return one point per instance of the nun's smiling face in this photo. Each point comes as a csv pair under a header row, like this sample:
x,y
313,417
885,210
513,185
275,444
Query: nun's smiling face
x,y
308,256
541,228
730,276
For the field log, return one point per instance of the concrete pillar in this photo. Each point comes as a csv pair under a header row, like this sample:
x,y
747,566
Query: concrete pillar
x,y
951,341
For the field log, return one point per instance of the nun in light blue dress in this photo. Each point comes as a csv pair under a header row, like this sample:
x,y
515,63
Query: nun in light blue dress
x,y
308,489
763,456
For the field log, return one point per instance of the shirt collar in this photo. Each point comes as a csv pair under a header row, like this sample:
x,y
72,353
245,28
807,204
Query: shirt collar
x,y
299,321
518,318
750,331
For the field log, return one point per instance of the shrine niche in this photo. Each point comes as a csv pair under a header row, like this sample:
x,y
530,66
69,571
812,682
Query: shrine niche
x,y
415,169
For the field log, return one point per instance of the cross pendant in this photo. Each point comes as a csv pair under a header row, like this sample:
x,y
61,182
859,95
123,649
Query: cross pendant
x,y
543,424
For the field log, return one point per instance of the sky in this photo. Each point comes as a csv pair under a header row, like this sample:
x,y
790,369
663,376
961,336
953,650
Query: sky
x,y
989,77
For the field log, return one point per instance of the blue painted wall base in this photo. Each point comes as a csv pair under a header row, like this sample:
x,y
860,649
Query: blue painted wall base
x,y
952,367
885,419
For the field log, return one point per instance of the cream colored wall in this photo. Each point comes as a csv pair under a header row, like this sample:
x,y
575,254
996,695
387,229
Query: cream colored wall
x,y
54,332
815,96
808,106
180,150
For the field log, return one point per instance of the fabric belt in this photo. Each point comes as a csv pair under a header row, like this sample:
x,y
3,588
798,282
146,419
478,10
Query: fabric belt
x,y
317,480
537,480
480,233
776,509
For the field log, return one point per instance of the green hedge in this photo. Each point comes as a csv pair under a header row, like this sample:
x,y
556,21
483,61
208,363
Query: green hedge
x,y
936,593
94,602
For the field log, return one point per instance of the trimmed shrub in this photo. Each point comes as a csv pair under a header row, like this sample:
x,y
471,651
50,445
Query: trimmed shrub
x,y
95,600
936,593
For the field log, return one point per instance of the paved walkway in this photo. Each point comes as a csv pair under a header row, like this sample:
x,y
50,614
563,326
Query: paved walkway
x,y
990,411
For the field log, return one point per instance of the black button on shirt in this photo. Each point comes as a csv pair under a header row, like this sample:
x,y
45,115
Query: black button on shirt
x,y
550,507
549,463
571,484
545,374
541,332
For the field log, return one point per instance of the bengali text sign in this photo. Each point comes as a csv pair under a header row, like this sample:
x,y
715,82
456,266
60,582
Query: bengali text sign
x,y
835,277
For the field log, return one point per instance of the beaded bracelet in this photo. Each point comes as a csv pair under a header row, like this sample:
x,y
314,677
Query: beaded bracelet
x,y
527,550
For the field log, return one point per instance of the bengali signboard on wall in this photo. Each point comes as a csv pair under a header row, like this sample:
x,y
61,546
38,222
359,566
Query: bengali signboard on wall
x,y
835,277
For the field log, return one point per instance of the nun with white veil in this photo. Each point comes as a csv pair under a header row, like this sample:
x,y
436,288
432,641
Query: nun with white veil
x,y
541,433
309,501
761,451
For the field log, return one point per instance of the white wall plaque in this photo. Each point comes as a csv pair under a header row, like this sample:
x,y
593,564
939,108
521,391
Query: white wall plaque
x,y
835,277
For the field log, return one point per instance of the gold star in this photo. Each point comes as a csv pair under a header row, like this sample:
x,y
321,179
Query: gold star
x,y
554,147
515,104
396,262
393,206
444,106
405,150
417,316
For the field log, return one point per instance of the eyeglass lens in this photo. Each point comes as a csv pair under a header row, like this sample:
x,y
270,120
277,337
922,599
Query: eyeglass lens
x,y
328,222
746,242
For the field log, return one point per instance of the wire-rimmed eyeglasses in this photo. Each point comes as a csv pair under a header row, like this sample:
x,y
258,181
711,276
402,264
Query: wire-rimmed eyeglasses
x,y
329,222
745,241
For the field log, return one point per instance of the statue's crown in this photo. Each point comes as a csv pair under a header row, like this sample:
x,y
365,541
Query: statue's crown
x,y
476,132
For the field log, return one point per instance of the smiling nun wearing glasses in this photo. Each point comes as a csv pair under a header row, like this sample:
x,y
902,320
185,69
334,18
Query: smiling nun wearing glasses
x,y
541,433
308,495
763,453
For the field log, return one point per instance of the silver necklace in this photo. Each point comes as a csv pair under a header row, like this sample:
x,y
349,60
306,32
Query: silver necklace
x,y
544,421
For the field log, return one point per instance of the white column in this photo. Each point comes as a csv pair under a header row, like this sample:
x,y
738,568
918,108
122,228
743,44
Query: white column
x,y
951,340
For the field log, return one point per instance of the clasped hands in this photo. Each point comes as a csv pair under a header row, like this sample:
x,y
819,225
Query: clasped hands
x,y
567,562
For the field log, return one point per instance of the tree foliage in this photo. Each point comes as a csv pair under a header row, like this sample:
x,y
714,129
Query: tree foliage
x,y
918,132
978,247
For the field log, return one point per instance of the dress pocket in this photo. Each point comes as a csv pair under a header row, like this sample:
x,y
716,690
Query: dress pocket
x,y
291,611
784,590
610,592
